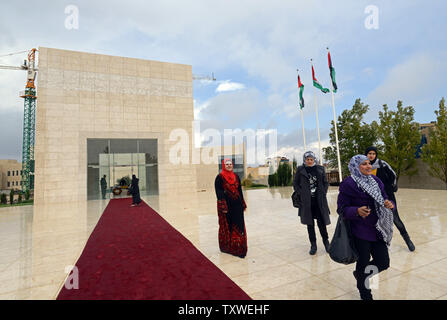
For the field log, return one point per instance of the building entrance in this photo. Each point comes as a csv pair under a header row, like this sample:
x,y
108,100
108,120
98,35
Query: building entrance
x,y
118,160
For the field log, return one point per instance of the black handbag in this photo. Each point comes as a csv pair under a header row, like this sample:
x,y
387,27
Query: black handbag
x,y
296,199
342,248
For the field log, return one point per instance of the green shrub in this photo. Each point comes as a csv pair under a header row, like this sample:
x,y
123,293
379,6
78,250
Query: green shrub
x,y
11,197
273,180
246,182
27,195
3,199
19,200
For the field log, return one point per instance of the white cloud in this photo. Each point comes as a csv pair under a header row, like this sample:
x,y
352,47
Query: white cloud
x,y
229,86
411,81
368,71
198,107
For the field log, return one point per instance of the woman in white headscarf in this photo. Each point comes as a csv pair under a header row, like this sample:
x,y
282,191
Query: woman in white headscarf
x,y
311,185
363,202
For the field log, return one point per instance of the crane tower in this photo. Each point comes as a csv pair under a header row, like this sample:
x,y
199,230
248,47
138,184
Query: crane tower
x,y
29,124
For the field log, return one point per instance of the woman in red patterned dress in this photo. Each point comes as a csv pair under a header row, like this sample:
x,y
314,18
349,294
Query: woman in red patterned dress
x,y
230,209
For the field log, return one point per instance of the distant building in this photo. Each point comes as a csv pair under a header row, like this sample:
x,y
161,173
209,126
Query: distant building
x,y
10,174
259,174
425,129
273,163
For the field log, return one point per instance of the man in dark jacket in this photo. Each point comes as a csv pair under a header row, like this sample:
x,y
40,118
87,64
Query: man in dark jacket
x,y
386,174
311,185
135,191
103,186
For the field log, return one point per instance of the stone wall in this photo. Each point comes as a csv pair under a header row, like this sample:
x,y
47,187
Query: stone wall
x,y
422,180
83,95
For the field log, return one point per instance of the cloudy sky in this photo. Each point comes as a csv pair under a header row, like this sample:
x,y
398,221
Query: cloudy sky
x,y
383,51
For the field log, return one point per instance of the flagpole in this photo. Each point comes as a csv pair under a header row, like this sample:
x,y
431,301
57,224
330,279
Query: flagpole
x,y
302,125
318,125
336,136
302,119
336,132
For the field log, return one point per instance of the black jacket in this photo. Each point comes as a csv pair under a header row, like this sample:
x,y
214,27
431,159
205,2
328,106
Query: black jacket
x,y
302,187
387,177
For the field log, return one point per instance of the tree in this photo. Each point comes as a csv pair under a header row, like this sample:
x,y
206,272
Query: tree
x,y
284,174
294,166
11,196
273,180
27,195
19,199
400,136
3,199
354,136
435,153
281,175
247,182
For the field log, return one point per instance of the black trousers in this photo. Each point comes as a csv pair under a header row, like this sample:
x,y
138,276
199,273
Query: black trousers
x,y
397,221
321,225
380,259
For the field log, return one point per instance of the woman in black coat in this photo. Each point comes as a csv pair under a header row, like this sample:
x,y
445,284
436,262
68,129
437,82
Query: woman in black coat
x,y
382,170
135,191
311,185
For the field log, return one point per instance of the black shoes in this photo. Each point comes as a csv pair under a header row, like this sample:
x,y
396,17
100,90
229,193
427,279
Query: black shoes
x,y
365,294
313,248
409,243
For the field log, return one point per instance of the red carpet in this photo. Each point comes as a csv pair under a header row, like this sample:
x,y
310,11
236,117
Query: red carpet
x,y
133,253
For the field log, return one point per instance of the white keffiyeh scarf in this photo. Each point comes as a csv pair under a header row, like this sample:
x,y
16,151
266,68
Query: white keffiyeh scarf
x,y
367,183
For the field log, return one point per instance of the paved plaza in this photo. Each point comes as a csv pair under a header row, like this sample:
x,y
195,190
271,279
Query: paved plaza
x,y
39,244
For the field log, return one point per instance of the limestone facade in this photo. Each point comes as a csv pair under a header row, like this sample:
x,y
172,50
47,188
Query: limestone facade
x,y
84,95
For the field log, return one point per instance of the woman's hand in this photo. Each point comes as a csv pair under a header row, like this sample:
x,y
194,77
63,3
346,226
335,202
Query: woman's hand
x,y
388,204
363,211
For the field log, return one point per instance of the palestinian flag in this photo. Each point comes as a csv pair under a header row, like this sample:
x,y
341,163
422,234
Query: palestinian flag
x,y
317,84
332,72
301,88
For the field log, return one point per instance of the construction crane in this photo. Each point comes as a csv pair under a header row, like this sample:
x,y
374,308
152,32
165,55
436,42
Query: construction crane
x,y
29,118
199,77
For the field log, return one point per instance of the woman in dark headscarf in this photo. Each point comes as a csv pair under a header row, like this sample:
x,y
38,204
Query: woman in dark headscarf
x,y
311,185
363,202
230,209
135,191
382,170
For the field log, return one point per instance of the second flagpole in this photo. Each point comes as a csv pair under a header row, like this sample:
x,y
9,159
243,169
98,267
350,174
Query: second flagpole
x,y
318,125
302,119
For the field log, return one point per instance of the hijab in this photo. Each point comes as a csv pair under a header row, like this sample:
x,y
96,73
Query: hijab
x,y
134,180
309,154
229,176
367,183
376,163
